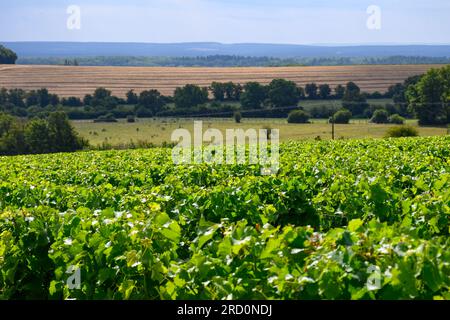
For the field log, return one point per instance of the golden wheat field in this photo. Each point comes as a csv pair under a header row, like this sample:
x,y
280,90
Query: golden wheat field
x,y
78,81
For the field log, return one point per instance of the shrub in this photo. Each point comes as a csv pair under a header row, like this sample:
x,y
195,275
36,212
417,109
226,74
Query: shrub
x,y
396,119
403,131
342,116
380,116
298,116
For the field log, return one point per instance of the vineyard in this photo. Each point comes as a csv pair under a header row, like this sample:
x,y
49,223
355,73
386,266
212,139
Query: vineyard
x,y
361,219
79,81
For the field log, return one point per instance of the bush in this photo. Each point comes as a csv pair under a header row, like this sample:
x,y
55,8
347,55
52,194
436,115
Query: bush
x,y
237,117
396,119
403,131
342,116
380,116
298,116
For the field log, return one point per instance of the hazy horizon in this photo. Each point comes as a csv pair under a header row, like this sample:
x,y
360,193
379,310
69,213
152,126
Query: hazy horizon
x,y
244,43
299,22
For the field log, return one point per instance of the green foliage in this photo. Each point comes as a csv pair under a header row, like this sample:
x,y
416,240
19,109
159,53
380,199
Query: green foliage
x,y
71,102
43,98
132,98
354,100
16,97
380,116
311,91
101,94
321,111
87,100
298,116
254,95
283,93
226,91
38,136
343,116
403,131
376,95
359,219
398,93
430,97
102,99
324,91
151,100
396,119
54,134
7,56
190,96
11,135
190,101
339,91
218,90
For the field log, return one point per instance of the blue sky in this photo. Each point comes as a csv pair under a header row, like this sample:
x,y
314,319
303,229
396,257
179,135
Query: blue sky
x,y
228,21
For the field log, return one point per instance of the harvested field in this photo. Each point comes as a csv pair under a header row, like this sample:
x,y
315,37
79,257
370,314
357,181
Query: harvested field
x,y
78,81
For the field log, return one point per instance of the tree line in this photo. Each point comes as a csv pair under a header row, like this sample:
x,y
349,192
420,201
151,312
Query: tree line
x,y
425,96
231,61
278,94
7,56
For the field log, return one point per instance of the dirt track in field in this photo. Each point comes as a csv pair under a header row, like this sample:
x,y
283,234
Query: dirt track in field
x,y
78,81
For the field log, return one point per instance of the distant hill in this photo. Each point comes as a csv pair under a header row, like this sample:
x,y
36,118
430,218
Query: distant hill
x,y
91,49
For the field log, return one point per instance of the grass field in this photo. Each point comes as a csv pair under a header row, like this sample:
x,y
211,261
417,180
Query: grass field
x,y
78,81
158,131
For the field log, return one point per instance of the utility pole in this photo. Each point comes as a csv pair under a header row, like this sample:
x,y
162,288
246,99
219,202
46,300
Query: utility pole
x,y
331,120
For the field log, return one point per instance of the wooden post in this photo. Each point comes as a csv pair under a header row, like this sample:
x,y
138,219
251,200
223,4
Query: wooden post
x,y
332,130
331,120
